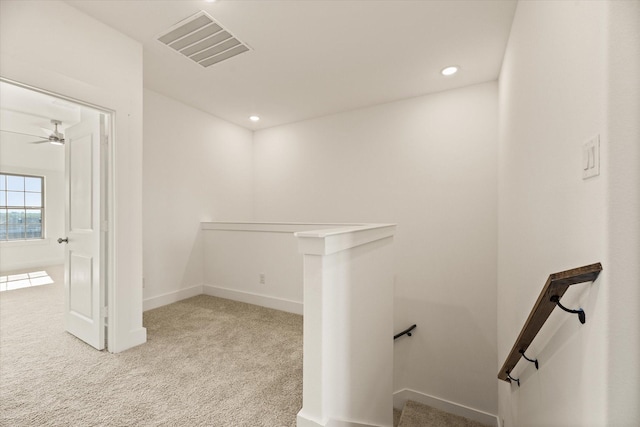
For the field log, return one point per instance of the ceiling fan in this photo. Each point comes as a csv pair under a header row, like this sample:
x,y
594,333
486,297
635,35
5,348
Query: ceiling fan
x,y
54,137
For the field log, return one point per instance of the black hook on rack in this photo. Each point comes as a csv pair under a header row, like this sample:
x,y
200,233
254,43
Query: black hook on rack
x,y
513,379
534,361
580,312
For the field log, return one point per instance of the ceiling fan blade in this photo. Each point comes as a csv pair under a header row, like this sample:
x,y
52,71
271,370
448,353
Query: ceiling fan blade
x,y
39,142
22,133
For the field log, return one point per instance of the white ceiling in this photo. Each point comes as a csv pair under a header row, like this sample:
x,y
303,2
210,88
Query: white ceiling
x,y
311,58
30,112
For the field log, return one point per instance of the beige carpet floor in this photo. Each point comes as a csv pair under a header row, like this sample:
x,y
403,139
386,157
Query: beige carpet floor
x,y
207,362
418,415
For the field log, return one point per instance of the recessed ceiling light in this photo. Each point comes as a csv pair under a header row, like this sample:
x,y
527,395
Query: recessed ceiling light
x,y
210,1
254,118
449,71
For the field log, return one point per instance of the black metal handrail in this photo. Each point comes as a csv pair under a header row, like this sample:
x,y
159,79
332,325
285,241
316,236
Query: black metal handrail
x,y
405,332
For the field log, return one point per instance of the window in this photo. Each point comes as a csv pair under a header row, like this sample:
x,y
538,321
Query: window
x,y
21,207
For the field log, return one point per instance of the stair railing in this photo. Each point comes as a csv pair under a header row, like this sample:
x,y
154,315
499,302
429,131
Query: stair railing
x,y
406,332
555,287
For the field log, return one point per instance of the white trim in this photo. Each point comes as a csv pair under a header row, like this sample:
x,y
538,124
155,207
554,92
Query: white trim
x,y
326,242
303,421
343,229
400,397
341,423
26,242
135,338
171,297
126,339
255,299
271,227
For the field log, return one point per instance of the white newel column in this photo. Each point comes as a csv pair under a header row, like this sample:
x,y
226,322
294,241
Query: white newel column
x,y
348,326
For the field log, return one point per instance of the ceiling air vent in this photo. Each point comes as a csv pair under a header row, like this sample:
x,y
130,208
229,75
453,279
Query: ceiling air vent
x,y
202,40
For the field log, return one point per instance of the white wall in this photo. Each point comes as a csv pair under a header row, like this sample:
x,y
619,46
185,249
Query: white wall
x,y
623,111
429,165
196,168
235,259
18,156
236,254
553,97
45,252
86,60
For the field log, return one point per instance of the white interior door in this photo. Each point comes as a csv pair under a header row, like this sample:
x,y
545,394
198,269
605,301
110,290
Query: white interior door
x,y
84,281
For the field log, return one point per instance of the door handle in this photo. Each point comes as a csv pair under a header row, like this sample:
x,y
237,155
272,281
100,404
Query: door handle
x,y
66,240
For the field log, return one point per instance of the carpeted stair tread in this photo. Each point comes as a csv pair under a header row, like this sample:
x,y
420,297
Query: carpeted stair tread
x,y
418,415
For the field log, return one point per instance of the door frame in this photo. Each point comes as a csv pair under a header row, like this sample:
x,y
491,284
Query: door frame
x,y
107,255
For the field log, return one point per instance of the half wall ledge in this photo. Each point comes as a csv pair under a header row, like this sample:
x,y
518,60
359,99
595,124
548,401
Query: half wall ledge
x,y
348,323
332,240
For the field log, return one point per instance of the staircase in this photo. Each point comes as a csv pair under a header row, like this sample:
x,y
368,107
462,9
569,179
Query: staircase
x,y
418,415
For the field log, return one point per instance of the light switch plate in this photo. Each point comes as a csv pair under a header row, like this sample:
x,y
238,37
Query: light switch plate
x,y
591,158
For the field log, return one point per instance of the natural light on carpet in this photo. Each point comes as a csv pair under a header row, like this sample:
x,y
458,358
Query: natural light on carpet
x,y
24,280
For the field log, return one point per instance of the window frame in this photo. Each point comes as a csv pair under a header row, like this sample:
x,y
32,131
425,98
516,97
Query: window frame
x,y
25,207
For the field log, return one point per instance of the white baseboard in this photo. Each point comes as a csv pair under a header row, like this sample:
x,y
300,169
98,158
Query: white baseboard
x,y
124,342
256,299
305,421
340,423
232,294
171,297
400,397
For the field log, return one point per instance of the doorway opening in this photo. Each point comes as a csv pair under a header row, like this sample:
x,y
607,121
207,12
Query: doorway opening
x,y
55,204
